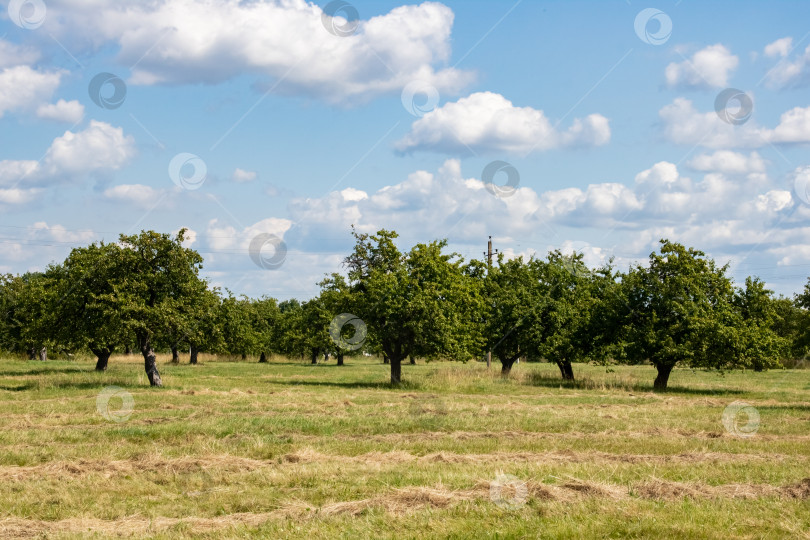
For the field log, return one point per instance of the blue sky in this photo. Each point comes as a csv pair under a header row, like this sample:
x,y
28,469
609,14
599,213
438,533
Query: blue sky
x,y
301,132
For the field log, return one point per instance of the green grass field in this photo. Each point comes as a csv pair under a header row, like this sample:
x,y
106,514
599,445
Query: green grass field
x,y
285,449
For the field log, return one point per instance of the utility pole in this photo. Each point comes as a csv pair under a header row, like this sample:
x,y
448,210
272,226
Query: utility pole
x,y
489,253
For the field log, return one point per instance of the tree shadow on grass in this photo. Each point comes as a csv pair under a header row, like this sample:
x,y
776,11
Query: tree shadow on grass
x,y
62,385
48,370
542,380
405,385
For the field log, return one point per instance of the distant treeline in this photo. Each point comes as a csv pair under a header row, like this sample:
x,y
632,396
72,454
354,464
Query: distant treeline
x,y
145,293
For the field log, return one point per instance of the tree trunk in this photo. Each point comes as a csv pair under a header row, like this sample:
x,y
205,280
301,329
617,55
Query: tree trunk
x,y
103,356
314,356
244,356
506,365
128,350
193,352
175,355
263,358
413,360
660,384
340,358
385,358
43,354
149,360
566,370
396,370
32,353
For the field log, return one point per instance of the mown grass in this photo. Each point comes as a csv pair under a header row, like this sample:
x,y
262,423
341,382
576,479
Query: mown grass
x,y
287,449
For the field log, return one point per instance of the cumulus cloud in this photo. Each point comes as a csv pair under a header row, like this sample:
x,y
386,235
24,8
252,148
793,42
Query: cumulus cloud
x,y
242,176
53,243
99,148
486,122
787,73
726,161
137,194
780,47
16,55
23,88
683,124
708,68
283,42
228,238
16,196
70,112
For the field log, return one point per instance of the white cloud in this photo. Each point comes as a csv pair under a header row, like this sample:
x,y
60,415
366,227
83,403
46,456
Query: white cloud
x,y
794,127
241,175
98,148
486,122
16,55
683,124
708,68
137,194
228,238
210,41
726,161
22,88
70,112
50,243
787,73
190,237
18,196
780,47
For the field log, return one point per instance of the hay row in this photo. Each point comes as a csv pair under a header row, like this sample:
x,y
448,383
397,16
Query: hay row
x,y
406,500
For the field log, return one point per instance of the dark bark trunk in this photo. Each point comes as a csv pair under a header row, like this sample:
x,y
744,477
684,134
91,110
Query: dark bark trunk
x,y
660,384
32,353
175,355
263,358
128,350
340,358
396,370
566,370
385,358
395,355
43,354
314,356
193,352
244,356
506,365
412,360
149,360
103,357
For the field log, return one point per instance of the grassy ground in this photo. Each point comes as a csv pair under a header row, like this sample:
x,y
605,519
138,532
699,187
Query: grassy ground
x,y
234,449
